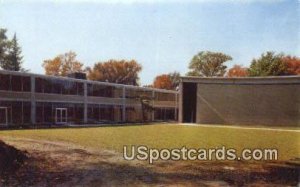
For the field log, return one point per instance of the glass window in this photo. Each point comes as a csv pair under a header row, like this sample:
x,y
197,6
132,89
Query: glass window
x,y
4,82
26,112
80,88
56,86
16,83
26,84
39,85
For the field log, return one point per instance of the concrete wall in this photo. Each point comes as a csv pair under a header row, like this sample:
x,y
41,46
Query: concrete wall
x,y
273,101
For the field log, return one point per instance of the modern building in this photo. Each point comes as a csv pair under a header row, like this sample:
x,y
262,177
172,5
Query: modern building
x,y
30,99
240,101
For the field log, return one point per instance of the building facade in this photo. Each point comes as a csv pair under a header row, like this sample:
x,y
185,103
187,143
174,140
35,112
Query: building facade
x,y
30,99
268,101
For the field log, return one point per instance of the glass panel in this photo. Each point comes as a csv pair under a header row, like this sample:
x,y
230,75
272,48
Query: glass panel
x,y
4,82
48,113
39,85
26,84
16,83
80,89
3,115
26,112
17,112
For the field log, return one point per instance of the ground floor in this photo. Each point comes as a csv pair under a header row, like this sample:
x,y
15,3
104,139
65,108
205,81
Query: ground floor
x,y
24,113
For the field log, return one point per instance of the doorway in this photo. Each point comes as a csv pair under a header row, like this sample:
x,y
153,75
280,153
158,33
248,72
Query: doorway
x,y
189,102
3,116
61,115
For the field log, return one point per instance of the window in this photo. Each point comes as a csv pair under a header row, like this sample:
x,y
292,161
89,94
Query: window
x,y
26,84
4,82
16,83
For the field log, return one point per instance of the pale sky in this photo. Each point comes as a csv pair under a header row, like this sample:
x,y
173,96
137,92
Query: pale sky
x,y
162,35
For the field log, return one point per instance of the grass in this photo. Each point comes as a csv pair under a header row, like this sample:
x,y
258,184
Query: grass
x,y
169,136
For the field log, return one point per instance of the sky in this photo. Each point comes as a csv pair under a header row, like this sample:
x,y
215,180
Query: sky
x,y
161,35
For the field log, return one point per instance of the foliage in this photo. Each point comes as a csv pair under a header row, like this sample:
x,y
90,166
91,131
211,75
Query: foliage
x,y
63,64
237,71
175,79
163,82
269,64
208,64
10,53
292,65
146,103
114,71
3,45
13,60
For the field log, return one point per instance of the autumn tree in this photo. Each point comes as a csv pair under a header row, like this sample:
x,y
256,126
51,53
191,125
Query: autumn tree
x,y
208,64
292,65
237,71
269,64
116,71
63,64
167,81
163,82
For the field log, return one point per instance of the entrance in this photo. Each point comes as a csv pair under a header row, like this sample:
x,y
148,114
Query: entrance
x,y
61,116
3,116
189,102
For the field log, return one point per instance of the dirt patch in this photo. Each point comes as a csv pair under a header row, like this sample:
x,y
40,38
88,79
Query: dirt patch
x,y
65,164
10,158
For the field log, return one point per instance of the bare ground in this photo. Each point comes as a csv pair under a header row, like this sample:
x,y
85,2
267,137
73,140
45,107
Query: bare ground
x,y
65,164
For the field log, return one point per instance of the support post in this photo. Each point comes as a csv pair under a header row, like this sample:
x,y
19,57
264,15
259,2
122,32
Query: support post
x,y
124,105
33,102
180,112
85,110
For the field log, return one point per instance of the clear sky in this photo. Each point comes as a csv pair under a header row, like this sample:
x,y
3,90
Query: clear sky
x,y
161,35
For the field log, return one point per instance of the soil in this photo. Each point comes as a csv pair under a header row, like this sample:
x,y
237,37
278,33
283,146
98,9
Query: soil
x,y
10,158
65,164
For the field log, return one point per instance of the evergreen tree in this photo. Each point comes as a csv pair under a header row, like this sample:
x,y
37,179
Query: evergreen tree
x,y
3,46
13,59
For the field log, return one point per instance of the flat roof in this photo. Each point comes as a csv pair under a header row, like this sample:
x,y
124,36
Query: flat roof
x,y
243,80
87,81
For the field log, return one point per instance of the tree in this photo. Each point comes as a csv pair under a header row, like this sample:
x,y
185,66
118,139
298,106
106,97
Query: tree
x,y
269,64
175,79
13,60
292,65
63,64
3,45
116,71
208,64
163,82
237,71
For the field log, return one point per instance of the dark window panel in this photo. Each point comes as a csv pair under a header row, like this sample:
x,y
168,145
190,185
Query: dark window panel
x,y
80,88
39,85
26,112
47,84
56,86
89,89
17,112
16,83
4,82
26,84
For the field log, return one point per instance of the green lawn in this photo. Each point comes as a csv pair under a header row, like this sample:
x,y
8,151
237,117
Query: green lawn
x,y
170,136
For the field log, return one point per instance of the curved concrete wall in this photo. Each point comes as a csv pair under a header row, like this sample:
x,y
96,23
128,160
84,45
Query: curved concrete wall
x,y
272,101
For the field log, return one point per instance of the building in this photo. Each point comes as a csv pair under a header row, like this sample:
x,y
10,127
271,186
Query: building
x,y
30,99
240,101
